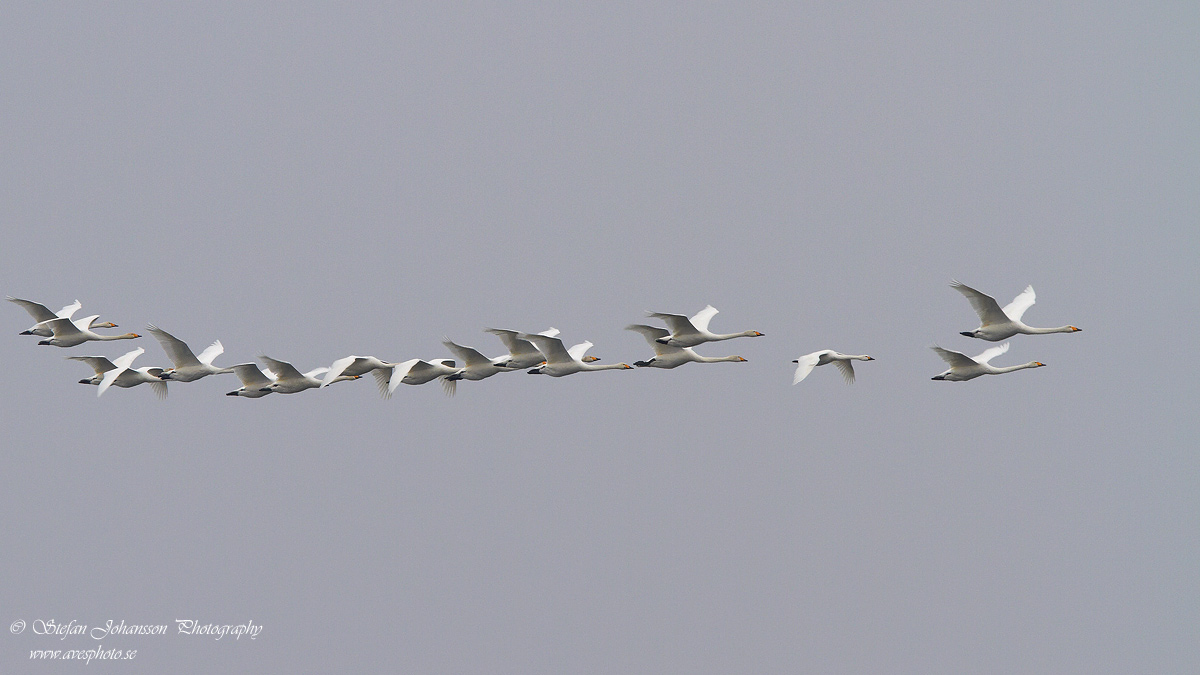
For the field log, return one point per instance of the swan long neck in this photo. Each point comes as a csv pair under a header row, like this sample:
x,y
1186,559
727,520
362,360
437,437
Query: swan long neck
x,y
124,336
717,359
1009,369
1042,331
606,366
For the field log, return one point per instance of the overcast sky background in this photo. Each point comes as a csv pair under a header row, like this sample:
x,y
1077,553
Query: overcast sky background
x,y
315,181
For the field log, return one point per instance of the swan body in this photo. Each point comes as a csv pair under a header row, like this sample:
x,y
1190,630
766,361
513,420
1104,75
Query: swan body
x,y
807,362
42,314
668,356
415,371
68,333
687,332
561,361
255,383
521,353
288,380
353,365
188,366
996,323
122,376
963,367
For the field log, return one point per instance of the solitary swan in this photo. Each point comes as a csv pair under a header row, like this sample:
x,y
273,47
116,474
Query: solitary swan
x,y
69,333
352,365
42,314
963,367
521,353
826,356
255,383
188,366
288,380
691,332
415,371
667,356
561,361
125,376
997,324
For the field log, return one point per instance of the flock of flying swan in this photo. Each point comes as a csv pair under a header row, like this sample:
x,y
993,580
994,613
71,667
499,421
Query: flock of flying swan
x,y
537,353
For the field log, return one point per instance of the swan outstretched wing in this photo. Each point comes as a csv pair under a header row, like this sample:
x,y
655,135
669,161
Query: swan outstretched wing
x,y
1016,309
64,327
211,352
99,364
991,353
37,310
700,321
652,334
469,355
250,376
847,369
984,305
122,364
804,366
679,324
551,347
955,359
576,352
181,355
282,369
337,368
68,310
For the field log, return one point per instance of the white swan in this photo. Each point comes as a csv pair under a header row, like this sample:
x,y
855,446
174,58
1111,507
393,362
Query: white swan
x,y
997,324
68,333
42,314
188,366
561,361
667,356
963,367
353,365
691,332
415,371
123,376
255,383
826,356
521,353
476,366
288,380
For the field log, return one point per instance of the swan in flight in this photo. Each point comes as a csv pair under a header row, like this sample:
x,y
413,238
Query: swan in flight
x,y
188,366
255,383
826,356
476,366
42,314
415,371
691,332
561,361
353,365
998,324
667,356
122,375
68,333
288,380
521,353
963,367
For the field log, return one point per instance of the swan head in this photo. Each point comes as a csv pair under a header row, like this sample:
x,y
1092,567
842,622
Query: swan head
x,y
739,359
1074,329
106,324
1037,364
869,358
589,359
755,333
627,366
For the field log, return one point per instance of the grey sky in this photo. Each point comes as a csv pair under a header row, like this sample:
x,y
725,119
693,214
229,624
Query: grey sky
x,y
310,182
